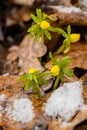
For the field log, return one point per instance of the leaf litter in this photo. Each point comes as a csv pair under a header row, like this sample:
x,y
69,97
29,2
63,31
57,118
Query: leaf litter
x,y
23,56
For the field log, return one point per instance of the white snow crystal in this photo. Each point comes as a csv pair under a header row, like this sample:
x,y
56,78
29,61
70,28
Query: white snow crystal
x,y
22,110
67,9
65,101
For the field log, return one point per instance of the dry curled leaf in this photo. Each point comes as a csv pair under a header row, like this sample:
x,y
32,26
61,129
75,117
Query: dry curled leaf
x,y
29,53
25,56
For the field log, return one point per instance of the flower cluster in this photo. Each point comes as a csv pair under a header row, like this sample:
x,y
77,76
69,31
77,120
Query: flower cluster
x,y
34,79
42,26
69,38
60,68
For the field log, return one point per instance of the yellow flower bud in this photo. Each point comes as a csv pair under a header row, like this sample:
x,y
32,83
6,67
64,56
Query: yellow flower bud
x,y
44,25
32,70
74,37
55,70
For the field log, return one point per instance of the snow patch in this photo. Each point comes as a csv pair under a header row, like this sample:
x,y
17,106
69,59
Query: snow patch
x,y
65,101
20,110
67,9
84,2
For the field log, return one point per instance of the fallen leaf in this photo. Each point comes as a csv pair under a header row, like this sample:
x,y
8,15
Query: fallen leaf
x,y
70,15
78,56
29,53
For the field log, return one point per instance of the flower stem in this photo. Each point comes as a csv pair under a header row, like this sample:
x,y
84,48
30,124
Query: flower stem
x,y
42,38
38,88
56,83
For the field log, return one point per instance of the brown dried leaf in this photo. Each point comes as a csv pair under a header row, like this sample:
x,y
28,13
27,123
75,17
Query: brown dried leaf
x,y
3,53
12,56
13,48
78,56
23,2
29,53
10,86
70,15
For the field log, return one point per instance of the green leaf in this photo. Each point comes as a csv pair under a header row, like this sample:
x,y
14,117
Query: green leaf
x,y
27,86
52,19
37,34
68,72
32,28
30,77
45,74
52,29
47,34
69,30
55,62
39,14
62,32
65,62
23,77
61,77
35,19
44,16
59,50
42,81
34,88
50,55
67,45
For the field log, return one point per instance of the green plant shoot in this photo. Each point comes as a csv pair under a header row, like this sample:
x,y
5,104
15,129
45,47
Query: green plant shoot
x,y
34,79
59,69
41,27
69,38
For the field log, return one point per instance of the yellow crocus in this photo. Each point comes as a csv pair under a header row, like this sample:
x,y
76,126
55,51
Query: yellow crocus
x,y
32,70
55,70
75,37
44,25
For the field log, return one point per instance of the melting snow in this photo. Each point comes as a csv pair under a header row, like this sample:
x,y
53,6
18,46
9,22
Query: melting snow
x,y
20,110
65,101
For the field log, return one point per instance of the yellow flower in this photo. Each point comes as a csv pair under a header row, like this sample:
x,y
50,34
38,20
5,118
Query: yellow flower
x,y
44,25
32,70
55,70
74,37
